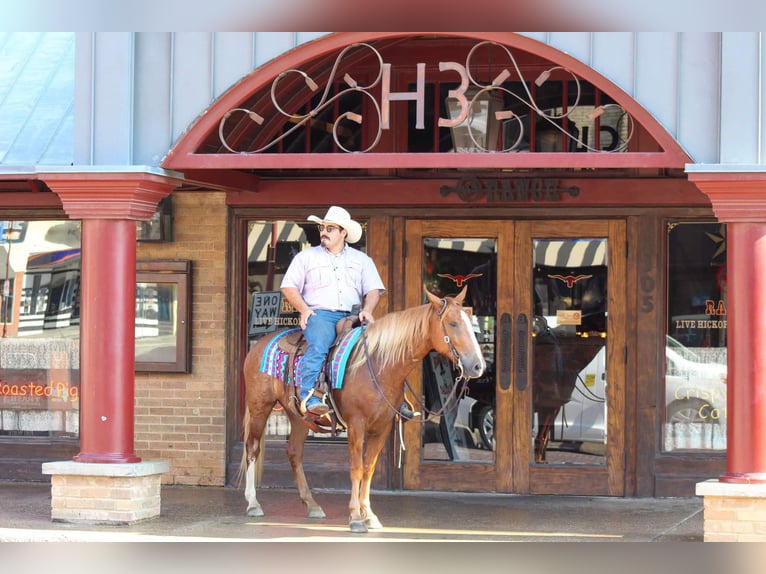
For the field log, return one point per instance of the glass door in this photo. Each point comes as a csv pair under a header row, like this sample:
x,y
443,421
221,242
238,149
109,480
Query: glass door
x,y
571,395
547,310
457,440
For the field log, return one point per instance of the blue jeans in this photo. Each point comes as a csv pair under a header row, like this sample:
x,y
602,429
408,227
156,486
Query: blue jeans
x,y
320,335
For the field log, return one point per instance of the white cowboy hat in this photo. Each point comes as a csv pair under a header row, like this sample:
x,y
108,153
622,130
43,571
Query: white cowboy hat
x,y
341,217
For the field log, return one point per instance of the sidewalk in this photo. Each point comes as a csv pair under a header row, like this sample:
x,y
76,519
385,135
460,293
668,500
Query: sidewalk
x,y
193,514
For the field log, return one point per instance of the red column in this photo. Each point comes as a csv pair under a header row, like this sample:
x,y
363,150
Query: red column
x,y
739,199
108,205
746,392
107,340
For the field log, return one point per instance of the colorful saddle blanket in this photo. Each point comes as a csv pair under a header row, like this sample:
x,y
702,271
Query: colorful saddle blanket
x,y
274,359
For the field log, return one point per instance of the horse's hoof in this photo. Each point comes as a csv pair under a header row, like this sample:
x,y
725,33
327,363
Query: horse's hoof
x,y
317,513
357,526
373,523
255,511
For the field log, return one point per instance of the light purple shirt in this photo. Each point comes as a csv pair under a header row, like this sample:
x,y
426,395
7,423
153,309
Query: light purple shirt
x,y
334,282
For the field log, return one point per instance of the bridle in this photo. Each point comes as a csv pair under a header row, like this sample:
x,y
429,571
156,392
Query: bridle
x,y
452,400
455,357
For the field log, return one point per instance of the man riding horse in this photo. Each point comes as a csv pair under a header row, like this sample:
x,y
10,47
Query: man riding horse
x,y
324,283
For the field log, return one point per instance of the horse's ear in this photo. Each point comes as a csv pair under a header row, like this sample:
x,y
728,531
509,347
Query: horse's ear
x,y
461,296
433,299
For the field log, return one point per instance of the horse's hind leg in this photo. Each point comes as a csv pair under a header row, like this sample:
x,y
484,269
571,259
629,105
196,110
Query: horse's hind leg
x,y
298,434
255,424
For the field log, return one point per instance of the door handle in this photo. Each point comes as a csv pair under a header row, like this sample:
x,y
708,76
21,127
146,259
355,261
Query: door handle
x,y
520,344
504,372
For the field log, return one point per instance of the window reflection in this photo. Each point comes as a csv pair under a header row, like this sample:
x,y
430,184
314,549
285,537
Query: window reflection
x,y
695,348
569,394
464,431
40,314
156,309
163,316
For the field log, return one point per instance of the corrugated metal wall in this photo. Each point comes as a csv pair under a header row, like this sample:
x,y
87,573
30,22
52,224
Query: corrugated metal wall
x,y
137,93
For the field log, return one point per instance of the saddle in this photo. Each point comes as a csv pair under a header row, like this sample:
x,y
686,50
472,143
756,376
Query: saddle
x,y
294,344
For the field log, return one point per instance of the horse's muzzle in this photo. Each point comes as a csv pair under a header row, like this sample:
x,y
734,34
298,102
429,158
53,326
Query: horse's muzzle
x,y
475,368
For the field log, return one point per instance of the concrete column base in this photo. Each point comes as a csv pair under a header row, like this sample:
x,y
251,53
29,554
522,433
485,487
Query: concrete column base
x,y
733,512
94,493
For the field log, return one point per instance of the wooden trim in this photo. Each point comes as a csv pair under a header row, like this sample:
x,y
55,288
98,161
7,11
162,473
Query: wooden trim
x,y
431,194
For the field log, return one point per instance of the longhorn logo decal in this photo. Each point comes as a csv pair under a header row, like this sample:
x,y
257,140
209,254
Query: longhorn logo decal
x,y
460,279
570,279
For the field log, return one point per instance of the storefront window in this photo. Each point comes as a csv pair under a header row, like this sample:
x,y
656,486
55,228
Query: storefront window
x,y
40,338
695,347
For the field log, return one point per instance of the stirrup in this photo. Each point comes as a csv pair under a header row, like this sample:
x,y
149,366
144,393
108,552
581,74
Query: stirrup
x,y
406,413
322,406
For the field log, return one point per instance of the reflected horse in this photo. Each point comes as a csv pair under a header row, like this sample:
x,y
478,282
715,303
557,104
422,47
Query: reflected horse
x,y
372,390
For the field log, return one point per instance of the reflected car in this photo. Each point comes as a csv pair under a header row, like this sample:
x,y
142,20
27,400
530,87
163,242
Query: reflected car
x,y
695,389
695,392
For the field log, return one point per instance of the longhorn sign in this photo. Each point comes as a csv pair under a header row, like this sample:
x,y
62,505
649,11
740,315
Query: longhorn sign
x,y
459,279
570,279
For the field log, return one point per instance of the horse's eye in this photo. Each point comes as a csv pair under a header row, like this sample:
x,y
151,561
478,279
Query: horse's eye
x,y
453,324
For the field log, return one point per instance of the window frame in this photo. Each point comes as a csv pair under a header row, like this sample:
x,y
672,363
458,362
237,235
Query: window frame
x,y
178,274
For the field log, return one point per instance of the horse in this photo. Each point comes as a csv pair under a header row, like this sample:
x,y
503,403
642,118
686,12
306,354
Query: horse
x,y
368,401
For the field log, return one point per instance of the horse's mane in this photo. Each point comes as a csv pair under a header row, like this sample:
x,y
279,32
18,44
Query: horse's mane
x,y
390,338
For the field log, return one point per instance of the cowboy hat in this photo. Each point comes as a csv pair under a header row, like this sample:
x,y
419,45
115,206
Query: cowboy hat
x,y
341,217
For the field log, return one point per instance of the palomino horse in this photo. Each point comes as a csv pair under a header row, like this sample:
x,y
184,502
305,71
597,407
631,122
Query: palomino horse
x,y
372,390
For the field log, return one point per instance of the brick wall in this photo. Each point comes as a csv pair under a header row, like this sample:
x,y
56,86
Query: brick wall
x,y
180,417
733,512
101,499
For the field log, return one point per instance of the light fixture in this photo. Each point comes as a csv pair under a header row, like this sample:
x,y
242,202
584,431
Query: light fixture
x,y
481,129
160,227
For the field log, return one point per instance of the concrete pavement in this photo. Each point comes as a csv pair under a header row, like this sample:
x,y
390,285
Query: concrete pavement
x,y
218,514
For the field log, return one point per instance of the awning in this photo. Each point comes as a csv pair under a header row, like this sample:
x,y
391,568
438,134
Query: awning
x,y
259,238
462,244
570,252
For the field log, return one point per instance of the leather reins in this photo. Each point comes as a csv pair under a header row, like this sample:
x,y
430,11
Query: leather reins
x,y
453,398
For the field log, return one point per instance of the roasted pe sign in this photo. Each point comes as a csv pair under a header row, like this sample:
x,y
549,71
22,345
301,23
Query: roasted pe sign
x,y
264,312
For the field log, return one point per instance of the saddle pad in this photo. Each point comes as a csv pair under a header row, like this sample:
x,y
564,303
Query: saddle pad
x,y
341,355
274,359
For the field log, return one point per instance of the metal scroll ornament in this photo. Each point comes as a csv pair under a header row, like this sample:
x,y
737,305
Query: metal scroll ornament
x,y
467,94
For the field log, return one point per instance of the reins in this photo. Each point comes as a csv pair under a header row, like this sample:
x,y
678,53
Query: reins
x,y
451,401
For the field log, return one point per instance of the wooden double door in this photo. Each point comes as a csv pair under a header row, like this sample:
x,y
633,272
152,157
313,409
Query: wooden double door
x,y
548,307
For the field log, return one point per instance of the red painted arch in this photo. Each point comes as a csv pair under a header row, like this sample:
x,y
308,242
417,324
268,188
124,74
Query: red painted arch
x,y
182,156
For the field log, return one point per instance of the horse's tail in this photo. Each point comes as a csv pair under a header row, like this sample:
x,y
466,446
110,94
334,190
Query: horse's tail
x,y
261,455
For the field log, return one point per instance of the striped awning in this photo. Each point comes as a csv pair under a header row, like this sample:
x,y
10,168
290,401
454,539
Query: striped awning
x,y
259,238
570,252
471,244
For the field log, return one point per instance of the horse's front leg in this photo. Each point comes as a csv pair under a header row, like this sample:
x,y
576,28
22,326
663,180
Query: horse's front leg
x,y
298,434
356,520
372,451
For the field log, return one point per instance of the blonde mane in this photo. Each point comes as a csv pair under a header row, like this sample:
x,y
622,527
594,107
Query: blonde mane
x,y
390,337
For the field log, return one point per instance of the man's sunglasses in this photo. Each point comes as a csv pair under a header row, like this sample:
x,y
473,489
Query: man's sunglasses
x,y
329,228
